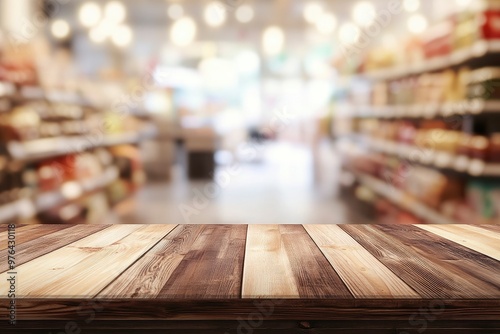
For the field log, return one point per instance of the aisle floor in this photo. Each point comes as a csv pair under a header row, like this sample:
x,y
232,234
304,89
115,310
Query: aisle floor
x,y
285,184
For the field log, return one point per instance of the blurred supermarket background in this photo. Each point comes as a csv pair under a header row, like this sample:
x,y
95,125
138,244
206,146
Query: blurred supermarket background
x,y
250,111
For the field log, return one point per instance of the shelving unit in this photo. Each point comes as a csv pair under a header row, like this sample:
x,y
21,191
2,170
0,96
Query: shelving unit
x,y
429,111
387,118
52,147
69,191
479,49
430,157
38,151
402,199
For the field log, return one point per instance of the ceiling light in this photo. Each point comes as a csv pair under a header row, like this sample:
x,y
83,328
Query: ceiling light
x,y
183,31
115,11
312,11
273,40
326,23
175,11
364,13
411,5
122,36
89,14
349,33
60,29
244,13
215,14
417,24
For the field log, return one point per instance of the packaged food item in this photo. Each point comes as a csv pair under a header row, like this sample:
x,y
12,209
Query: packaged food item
x,y
438,39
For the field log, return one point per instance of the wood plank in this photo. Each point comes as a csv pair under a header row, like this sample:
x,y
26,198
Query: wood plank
x,y
429,276
291,247
212,268
493,228
469,264
267,270
364,275
27,233
47,243
146,277
85,267
476,238
315,276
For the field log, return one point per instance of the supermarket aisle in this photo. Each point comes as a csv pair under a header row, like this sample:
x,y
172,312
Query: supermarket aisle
x,y
285,184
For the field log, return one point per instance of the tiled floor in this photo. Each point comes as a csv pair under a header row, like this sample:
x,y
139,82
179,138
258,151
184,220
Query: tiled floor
x,y
286,184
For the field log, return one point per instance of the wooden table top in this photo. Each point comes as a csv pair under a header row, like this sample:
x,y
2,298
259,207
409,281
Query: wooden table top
x,y
220,271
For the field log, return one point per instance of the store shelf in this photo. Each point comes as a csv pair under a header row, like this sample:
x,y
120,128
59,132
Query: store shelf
x,y
402,199
52,147
27,208
479,49
433,158
468,107
74,189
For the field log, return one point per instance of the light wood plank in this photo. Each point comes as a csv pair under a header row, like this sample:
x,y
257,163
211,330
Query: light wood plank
x,y
473,237
212,269
267,270
364,275
85,267
146,277
425,273
45,244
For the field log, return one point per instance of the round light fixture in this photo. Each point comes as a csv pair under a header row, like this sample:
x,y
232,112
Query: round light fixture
x,y
312,11
89,14
273,40
244,13
215,14
122,36
326,23
60,29
115,12
364,13
417,24
349,33
183,31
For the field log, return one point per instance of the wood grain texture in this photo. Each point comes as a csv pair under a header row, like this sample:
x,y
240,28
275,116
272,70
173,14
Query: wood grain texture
x,y
267,271
27,233
425,273
473,237
163,273
85,267
213,266
49,242
493,228
363,274
277,250
146,277
465,262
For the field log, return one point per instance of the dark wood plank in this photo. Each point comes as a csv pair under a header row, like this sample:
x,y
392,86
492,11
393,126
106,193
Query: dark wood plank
x,y
426,274
447,253
27,233
47,243
236,309
314,276
212,268
264,326
473,237
146,277
493,228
